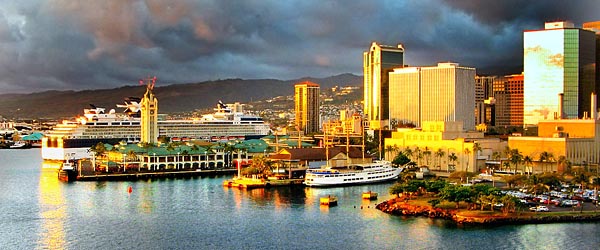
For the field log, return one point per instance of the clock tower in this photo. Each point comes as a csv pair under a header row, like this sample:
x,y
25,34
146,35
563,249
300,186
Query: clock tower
x,y
149,114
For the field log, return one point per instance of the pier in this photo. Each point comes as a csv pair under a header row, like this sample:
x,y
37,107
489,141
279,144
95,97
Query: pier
x,y
83,171
153,175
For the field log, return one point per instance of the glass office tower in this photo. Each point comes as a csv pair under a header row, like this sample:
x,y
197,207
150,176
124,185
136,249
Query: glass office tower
x,y
377,63
559,72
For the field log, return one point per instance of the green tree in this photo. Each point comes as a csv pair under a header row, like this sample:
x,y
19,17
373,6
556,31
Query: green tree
x,y
457,193
99,149
461,176
439,155
509,202
397,189
436,185
400,159
512,180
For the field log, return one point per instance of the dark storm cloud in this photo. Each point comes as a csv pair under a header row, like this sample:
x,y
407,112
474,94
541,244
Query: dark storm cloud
x,y
63,44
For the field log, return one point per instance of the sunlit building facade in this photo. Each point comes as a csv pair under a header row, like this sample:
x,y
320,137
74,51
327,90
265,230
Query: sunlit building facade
x,y
441,93
377,63
508,93
577,141
149,117
442,139
306,100
559,68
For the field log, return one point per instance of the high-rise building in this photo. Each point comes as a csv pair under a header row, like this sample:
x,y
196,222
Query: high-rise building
x,y
483,97
307,106
149,115
560,72
377,63
508,93
441,93
595,27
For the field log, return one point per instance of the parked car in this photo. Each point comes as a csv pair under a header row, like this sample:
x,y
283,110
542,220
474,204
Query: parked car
x,y
569,203
539,209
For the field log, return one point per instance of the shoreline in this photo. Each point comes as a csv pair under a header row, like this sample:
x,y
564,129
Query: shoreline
x,y
400,208
69,176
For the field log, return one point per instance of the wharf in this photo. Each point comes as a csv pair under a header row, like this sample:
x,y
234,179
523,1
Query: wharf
x,y
250,183
150,175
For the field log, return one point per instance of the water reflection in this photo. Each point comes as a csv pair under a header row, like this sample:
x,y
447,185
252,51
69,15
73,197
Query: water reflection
x,y
52,211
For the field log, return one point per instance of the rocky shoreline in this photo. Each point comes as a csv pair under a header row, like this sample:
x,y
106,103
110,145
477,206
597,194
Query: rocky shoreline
x,y
399,207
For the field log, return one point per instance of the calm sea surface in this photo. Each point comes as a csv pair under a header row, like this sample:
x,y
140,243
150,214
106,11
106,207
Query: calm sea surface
x,y
39,212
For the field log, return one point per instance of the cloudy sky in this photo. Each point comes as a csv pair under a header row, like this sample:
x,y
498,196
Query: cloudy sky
x,y
90,44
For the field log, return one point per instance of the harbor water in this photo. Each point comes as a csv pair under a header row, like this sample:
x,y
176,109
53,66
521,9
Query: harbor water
x,y
40,212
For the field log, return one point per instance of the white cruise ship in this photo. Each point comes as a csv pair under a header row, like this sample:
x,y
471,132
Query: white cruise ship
x,y
73,139
378,171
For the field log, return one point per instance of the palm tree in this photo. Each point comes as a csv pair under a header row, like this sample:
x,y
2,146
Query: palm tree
x,y
546,157
506,165
467,152
506,152
551,160
496,155
99,150
427,154
388,150
132,156
439,154
409,152
515,157
527,160
452,158
476,148
419,155
562,163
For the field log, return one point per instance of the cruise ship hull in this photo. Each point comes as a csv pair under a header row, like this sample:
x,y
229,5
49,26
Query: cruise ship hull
x,y
372,173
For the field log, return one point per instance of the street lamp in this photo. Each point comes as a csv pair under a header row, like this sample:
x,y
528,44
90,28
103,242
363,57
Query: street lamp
x,y
177,160
124,163
154,154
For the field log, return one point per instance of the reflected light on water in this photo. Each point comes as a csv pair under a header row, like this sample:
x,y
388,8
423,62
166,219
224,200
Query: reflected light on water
x,y
52,211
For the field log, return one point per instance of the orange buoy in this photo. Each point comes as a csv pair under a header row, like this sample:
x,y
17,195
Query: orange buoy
x,y
129,190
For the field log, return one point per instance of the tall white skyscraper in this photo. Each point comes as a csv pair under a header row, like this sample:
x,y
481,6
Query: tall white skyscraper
x,y
442,93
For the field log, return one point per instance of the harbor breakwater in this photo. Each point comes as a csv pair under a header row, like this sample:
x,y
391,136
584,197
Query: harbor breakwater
x,y
402,208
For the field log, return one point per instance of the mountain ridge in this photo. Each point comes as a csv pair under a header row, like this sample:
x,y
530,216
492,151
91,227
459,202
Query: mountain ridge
x,y
173,98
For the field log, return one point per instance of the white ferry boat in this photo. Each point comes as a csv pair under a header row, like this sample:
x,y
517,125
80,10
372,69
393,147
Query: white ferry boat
x,y
73,139
378,171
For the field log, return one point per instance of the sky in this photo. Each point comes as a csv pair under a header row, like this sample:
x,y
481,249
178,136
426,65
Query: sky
x,y
90,44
